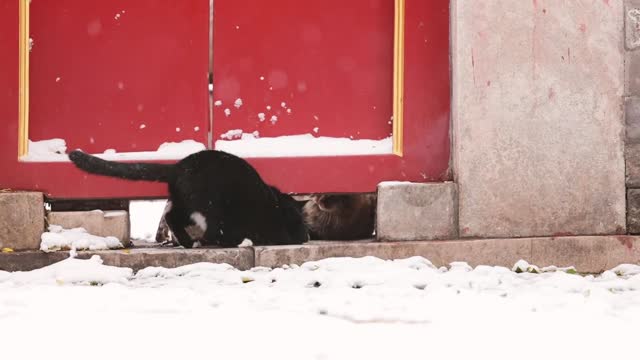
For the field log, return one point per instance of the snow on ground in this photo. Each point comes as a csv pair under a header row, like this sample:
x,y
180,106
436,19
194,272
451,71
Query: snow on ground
x,y
58,238
340,308
248,145
145,217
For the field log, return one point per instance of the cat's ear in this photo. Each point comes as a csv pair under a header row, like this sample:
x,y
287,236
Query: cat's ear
x,y
326,202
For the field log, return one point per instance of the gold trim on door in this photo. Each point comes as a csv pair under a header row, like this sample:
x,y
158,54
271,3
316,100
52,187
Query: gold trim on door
x,y
398,77
23,102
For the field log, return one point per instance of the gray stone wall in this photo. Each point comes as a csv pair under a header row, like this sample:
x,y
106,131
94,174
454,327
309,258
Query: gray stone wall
x,y
538,123
632,112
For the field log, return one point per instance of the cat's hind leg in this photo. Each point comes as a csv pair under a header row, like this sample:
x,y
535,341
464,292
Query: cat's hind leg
x,y
178,221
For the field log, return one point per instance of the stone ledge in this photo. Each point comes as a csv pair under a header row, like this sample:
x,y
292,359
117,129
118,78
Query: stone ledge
x,y
96,222
589,254
416,211
136,259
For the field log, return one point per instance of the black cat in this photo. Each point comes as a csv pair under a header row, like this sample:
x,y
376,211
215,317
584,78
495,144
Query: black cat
x,y
219,192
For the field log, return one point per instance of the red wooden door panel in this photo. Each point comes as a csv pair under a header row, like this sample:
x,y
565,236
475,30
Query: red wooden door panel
x,y
119,74
330,61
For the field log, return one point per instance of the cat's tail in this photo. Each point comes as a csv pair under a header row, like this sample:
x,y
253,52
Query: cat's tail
x,y
129,171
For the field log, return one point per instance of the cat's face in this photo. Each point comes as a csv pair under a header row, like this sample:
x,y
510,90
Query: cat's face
x,y
332,203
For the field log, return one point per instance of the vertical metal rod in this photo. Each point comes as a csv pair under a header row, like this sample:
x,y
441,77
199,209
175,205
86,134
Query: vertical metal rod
x,y
210,77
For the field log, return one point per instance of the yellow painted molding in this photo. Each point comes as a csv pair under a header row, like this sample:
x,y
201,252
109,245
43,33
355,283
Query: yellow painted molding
x,y
23,102
398,77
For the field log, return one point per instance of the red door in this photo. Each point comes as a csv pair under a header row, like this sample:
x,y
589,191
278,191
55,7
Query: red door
x,y
131,75
324,70
119,75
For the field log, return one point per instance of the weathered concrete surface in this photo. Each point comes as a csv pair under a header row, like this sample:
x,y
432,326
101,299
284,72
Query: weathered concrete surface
x,y
97,222
632,24
475,252
632,158
633,211
411,211
21,220
132,258
632,73
589,254
538,117
632,119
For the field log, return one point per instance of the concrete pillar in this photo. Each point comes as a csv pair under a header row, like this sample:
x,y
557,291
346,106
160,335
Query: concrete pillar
x,y
632,112
538,117
21,220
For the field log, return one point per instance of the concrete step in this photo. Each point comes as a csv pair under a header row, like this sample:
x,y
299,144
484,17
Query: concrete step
x,y
589,254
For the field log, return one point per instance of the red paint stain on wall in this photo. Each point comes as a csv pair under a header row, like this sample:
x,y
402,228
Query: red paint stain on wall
x,y
626,241
583,28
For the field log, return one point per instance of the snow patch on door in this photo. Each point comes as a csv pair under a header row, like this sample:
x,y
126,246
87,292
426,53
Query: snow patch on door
x,y
54,150
305,145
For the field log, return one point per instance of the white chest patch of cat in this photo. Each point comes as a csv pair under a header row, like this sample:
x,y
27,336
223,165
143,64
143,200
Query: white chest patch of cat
x,y
199,220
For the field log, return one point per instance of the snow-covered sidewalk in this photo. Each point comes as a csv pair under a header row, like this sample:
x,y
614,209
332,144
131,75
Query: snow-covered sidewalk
x,y
340,308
